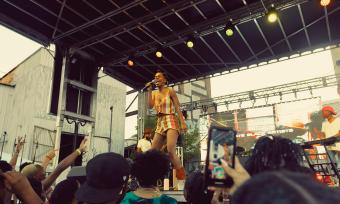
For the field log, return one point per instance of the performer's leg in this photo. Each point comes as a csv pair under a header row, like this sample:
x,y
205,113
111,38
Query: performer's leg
x,y
158,141
172,136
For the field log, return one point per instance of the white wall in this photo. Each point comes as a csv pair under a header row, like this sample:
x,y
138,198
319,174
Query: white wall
x,y
110,93
27,107
6,99
32,79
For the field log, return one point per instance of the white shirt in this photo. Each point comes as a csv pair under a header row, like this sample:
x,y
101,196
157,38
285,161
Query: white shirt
x,y
144,145
331,129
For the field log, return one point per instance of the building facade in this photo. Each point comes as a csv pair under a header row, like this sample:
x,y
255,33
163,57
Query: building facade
x,y
25,101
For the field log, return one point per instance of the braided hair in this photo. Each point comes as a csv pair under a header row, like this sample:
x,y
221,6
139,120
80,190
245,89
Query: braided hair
x,y
274,153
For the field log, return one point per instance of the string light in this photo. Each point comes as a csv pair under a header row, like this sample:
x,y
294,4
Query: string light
x,y
130,63
272,15
229,29
190,42
159,54
325,2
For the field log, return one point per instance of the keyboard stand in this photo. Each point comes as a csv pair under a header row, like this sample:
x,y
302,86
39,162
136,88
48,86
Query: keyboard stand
x,y
321,163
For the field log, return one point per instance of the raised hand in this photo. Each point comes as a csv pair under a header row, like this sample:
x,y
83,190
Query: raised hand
x,y
20,144
83,145
149,85
239,174
51,154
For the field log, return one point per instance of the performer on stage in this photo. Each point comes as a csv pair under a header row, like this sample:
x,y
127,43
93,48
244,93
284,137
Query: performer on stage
x,y
164,100
144,144
330,128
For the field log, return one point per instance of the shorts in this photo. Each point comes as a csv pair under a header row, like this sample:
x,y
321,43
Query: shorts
x,y
166,122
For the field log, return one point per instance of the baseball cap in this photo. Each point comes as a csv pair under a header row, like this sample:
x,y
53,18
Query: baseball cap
x,y
330,109
105,176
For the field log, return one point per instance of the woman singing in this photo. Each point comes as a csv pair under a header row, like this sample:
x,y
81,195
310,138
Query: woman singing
x,y
164,100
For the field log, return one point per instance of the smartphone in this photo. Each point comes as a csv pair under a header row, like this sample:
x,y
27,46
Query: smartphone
x,y
221,145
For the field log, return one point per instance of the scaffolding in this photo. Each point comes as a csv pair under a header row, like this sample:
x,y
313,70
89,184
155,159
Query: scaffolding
x,y
265,93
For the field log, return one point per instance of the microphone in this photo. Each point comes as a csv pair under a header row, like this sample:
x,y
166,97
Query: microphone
x,y
152,82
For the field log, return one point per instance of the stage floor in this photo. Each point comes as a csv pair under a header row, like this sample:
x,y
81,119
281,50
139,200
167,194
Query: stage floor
x,y
178,195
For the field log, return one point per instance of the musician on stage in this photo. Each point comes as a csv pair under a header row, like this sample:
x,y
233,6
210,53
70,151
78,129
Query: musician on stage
x,y
331,128
144,144
169,124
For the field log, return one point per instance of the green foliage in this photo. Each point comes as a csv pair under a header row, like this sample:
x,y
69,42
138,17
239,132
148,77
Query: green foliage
x,y
191,145
150,122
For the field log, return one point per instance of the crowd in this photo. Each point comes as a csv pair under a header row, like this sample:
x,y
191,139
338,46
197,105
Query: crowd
x,y
273,174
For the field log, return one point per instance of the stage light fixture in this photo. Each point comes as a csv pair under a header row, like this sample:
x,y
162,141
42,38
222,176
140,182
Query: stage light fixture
x,y
272,15
325,2
229,29
159,54
130,62
190,42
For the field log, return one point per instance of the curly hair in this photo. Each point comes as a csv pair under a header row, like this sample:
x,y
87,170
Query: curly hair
x,y
273,153
195,189
163,73
150,166
64,192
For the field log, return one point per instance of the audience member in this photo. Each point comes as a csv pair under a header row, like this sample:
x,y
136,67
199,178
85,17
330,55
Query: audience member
x,y
144,144
65,192
284,187
37,187
5,195
19,185
274,153
37,172
149,167
195,191
106,178
23,165
275,187
34,171
18,147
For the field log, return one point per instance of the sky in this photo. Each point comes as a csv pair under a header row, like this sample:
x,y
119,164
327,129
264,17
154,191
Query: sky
x,y
297,69
14,48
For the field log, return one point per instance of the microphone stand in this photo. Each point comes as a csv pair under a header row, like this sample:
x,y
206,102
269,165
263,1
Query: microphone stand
x,y
23,148
134,99
3,143
142,90
110,141
35,151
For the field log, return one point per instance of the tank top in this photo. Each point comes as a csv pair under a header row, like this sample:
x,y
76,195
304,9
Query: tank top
x,y
164,105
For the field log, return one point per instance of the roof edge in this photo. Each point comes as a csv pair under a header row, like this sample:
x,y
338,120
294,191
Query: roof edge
x,y
9,85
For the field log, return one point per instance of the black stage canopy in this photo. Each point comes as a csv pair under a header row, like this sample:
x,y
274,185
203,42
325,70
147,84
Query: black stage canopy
x,y
114,30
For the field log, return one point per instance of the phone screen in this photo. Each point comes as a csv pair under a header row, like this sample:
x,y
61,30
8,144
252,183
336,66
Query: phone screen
x,y
221,145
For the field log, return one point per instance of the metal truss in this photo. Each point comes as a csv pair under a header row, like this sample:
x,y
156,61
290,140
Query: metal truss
x,y
205,28
249,12
261,106
264,93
